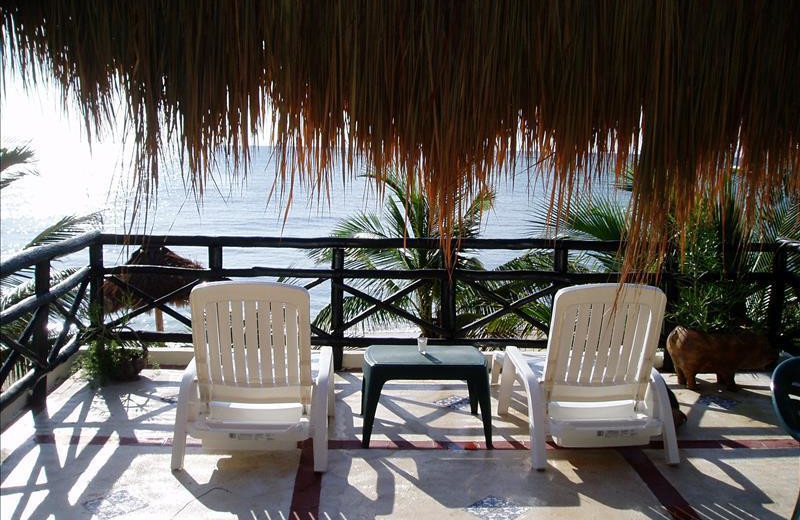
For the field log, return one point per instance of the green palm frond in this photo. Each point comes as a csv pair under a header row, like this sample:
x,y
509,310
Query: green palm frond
x,y
406,214
18,159
68,227
352,307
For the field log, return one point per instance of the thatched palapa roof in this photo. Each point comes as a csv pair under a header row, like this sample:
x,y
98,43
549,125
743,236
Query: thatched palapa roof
x,y
155,286
447,92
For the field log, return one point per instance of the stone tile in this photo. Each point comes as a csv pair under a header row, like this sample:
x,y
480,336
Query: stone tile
x,y
112,481
89,460
496,508
443,484
715,413
738,484
719,403
114,504
454,402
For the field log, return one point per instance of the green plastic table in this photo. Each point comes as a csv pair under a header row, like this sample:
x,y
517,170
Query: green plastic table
x,y
386,362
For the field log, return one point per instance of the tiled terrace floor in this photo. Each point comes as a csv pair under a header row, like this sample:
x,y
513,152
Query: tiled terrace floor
x,y
105,453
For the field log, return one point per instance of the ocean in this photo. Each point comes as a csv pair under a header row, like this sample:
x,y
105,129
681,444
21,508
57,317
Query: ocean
x,y
242,207
75,178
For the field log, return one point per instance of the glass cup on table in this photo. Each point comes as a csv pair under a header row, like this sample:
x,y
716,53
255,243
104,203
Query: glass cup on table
x,y
422,345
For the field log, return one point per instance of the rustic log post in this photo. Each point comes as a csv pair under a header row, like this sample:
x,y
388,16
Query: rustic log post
x,y
96,286
41,345
560,258
776,295
215,261
337,306
447,295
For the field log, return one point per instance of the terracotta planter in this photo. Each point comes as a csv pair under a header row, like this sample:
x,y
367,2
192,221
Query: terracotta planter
x,y
129,368
721,353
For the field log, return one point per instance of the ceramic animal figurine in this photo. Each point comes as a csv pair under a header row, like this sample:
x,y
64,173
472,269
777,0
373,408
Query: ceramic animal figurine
x,y
718,353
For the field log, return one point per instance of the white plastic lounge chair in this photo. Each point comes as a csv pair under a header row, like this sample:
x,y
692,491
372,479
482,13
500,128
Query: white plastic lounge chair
x,y
250,384
596,386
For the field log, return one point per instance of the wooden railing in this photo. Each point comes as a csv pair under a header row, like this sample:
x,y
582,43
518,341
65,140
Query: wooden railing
x,y
34,347
44,352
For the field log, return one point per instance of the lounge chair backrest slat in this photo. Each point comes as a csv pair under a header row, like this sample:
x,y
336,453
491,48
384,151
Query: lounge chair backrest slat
x,y
212,361
590,343
277,312
603,335
252,342
239,344
253,336
225,342
264,341
292,352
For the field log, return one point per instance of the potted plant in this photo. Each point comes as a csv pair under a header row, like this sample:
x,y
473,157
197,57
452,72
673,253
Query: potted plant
x,y
719,318
114,360
110,358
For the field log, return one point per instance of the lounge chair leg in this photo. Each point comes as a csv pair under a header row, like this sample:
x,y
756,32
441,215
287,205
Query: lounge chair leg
x,y
506,385
538,450
497,363
331,395
664,410
321,444
182,415
319,423
536,420
178,448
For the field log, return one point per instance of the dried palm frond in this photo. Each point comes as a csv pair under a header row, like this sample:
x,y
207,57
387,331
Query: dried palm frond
x,y
448,93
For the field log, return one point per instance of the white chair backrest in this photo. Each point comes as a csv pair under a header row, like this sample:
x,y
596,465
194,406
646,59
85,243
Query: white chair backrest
x,y
604,337
252,341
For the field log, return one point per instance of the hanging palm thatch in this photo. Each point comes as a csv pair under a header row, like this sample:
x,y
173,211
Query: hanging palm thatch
x,y
446,92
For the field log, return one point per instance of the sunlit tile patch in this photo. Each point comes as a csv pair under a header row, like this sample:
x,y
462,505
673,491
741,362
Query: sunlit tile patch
x,y
114,504
720,403
454,402
496,508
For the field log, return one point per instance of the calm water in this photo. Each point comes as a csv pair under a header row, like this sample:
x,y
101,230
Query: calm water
x,y
237,207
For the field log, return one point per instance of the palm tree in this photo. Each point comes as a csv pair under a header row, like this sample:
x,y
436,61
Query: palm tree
x,y
705,305
15,164
406,214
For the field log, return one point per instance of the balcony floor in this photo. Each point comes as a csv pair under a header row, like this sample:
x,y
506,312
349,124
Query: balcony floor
x,y
105,453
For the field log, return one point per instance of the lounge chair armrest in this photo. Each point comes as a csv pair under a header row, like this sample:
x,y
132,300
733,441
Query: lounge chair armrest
x,y
536,406
323,384
656,377
515,367
325,366
188,379
521,366
322,408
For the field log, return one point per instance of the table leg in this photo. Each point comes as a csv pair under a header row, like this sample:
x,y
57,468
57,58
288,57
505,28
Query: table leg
x,y
370,399
364,377
481,384
473,397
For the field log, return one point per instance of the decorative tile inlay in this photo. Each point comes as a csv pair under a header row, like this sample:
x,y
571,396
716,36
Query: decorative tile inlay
x,y
713,401
454,402
171,399
496,508
114,504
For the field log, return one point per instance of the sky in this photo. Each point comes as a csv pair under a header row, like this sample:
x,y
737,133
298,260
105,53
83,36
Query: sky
x,y
72,174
